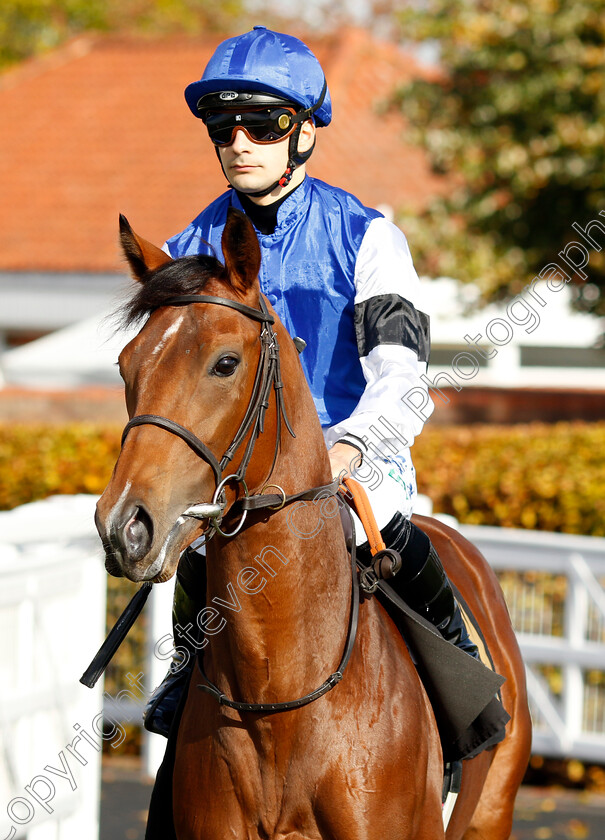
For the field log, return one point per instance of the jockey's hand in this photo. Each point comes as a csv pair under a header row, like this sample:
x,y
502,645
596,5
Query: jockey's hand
x,y
344,459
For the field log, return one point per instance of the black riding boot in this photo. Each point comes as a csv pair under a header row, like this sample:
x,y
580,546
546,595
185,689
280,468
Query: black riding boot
x,y
189,597
422,582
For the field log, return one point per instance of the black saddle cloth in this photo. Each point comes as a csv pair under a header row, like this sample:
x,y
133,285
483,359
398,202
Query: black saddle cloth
x,y
469,720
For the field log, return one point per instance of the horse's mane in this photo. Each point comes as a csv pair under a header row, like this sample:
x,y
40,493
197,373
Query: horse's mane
x,y
183,276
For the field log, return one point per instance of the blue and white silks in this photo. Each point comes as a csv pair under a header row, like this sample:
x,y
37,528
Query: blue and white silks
x,y
340,276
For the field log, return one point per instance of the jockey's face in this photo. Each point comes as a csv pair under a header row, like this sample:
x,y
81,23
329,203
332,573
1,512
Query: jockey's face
x,y
251,166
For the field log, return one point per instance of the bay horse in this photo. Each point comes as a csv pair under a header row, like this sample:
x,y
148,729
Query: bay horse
x,y
364,759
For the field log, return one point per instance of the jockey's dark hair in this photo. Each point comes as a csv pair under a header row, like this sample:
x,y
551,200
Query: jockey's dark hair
x,y
184,276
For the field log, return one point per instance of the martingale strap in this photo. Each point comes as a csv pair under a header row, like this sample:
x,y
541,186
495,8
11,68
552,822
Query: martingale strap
x,y
209,687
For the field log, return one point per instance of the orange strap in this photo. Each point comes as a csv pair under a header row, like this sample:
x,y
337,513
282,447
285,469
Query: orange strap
x,y
357,497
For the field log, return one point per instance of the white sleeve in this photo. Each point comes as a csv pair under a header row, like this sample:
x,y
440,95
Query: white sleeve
x,y
393,340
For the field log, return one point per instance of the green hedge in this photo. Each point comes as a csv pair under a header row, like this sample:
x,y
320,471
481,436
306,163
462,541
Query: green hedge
x,y
538,476
544,477
40,461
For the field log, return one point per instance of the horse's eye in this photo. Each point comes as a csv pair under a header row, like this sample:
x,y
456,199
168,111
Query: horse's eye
x,y
225,366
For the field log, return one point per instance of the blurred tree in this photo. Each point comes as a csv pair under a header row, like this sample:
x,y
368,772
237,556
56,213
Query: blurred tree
x,y
377,16
517,115
28,27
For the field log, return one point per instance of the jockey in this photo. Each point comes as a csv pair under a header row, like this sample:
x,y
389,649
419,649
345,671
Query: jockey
x,y
341,277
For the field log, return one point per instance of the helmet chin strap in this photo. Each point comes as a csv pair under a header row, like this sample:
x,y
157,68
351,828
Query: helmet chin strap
x,y
295,158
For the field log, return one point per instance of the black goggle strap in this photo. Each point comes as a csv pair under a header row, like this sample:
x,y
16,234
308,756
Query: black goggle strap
x,y
301,116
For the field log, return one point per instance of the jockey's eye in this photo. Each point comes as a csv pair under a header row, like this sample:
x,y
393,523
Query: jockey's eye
x,y
226,366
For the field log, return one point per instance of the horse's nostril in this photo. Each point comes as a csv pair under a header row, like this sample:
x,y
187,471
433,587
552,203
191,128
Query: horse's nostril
x,y
138,534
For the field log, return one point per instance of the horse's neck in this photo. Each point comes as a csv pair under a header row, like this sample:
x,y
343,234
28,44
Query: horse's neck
x,y
283,585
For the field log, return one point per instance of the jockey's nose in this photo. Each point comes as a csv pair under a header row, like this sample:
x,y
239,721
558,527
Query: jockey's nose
x,y
241,141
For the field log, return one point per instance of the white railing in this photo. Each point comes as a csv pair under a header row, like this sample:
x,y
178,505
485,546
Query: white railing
x,y
52,593
553,585
52,615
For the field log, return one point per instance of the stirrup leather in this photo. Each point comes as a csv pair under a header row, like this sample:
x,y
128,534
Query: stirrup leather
x,y
386,562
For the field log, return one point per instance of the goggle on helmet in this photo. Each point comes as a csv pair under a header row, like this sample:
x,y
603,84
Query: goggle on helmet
x,y
263,117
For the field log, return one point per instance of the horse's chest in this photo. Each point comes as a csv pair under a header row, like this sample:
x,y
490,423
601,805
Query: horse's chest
x,y
247,788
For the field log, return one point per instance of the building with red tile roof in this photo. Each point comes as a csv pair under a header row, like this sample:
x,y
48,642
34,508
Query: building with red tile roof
x,y
100,127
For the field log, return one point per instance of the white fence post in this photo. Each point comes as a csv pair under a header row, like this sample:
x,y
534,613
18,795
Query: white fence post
x,y
576,617
52,620
572,725
159,627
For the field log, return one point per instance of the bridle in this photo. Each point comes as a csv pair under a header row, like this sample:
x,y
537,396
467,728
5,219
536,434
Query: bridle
x,y
268,376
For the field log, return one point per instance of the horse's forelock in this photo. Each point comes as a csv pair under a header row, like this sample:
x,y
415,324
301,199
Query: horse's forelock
x,y
184,276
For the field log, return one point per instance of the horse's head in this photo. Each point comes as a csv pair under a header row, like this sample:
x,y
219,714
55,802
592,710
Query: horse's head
x,y
194,364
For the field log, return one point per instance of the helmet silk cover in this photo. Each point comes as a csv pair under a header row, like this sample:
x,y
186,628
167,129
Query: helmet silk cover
x,y
267,61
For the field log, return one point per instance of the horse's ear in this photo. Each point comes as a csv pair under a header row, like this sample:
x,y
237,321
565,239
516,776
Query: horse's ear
x,y
142,256
241,250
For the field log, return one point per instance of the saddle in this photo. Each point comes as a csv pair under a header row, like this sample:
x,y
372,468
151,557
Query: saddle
x,y
471,720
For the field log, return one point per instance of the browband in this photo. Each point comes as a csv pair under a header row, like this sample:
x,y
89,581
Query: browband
x,y
255,314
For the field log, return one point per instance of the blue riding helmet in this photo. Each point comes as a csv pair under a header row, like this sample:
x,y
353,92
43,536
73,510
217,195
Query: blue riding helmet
x,y
265,61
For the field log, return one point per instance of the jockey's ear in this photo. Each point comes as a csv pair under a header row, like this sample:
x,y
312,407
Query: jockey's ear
x,y
142,256
241,250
